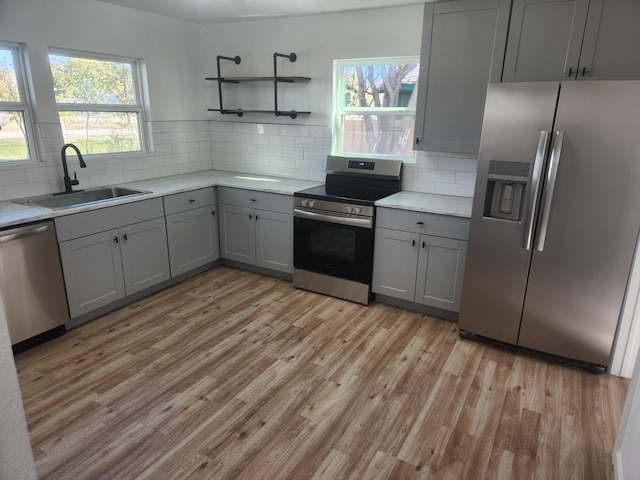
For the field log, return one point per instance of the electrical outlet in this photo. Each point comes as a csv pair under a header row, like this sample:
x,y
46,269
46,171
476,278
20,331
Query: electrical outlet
x,y
299,153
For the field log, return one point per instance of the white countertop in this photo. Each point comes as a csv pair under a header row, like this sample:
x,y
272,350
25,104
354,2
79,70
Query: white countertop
x,y
14,214
429,203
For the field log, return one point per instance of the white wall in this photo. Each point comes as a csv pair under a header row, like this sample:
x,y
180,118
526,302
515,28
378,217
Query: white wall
x,y
16,458
626,460
172,54
317,40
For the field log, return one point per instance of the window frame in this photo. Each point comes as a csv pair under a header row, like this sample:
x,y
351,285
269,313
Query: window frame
x,y
24,105
139,108
339,110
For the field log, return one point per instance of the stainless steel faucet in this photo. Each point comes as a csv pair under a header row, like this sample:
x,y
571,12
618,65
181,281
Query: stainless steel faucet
x,y
68,183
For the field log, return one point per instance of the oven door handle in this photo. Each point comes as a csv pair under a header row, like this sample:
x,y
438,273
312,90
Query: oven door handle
x,y
350,221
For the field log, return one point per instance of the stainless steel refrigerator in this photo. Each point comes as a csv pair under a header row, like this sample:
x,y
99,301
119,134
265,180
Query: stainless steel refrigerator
x,y
555,217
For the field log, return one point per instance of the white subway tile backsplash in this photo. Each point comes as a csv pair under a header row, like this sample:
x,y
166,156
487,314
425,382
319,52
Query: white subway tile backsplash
x,y
293,151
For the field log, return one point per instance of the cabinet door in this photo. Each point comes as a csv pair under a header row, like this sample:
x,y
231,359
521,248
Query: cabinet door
x,y
145,259
611,46
395,260
274,241
440,271
92,271
237,233
545,38
192,238
462,50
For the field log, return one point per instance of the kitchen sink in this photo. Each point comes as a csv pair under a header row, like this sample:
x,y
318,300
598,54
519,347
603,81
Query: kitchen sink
x,y
77,199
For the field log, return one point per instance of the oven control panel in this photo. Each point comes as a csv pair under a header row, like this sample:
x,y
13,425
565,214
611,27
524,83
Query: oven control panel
x,y
337,207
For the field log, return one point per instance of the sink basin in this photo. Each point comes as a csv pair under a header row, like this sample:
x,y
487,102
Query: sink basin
x,y
78,199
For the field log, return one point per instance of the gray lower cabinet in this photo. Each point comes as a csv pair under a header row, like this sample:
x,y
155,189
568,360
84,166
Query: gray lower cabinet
x,y
256,228
573,40
420,258
105,258
462,50
192,229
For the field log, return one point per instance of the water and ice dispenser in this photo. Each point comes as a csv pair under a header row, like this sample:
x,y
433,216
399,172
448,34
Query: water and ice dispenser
x,y
506,187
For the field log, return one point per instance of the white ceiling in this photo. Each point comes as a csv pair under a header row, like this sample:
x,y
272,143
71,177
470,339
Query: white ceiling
x,y
208,12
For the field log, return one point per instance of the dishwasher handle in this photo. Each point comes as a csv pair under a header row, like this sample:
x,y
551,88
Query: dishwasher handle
x,y
24,233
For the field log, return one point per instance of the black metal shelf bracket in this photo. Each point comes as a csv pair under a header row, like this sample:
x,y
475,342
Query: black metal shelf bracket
x,y
237,61
292,58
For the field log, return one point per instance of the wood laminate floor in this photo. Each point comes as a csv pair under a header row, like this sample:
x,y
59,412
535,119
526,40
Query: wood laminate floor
x,y
235,375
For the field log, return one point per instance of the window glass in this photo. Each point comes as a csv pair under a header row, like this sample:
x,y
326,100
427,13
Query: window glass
x,y
374,107
98,102
15,127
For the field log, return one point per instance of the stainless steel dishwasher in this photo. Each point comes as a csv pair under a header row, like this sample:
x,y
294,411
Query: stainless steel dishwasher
x,y
31,284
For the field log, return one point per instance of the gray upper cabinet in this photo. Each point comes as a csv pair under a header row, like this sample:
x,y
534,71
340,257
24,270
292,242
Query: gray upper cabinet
x,y
545,38
463,48
573,39
611,46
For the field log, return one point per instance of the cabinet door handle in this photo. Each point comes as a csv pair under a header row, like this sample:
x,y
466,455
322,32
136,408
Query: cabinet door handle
x,y
419,223
584,71
124,237
115,239
417,140
257,218
570,72
424,244
250,216
413,243
213,212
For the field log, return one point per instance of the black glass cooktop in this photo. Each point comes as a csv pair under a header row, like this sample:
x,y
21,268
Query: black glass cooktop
x,y
351,190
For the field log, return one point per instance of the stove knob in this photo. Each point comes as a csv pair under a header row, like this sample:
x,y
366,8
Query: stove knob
x,y
305,202
312,203
357,210
349,208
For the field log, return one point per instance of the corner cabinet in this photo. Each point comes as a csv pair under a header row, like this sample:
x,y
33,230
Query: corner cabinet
x,y
275,79
420,257
256,228
112,252
192,229
573,40
463,46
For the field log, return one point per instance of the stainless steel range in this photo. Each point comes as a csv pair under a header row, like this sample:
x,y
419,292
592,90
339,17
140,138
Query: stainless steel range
x,y
334,227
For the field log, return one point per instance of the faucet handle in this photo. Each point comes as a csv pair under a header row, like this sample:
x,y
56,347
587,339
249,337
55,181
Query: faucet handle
x,y
75,180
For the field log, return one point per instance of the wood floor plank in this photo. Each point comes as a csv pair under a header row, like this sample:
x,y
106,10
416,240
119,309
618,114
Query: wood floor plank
x,y
231,374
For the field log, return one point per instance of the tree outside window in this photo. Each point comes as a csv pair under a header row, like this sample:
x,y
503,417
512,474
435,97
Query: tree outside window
x,y
374,111
98,103
15,137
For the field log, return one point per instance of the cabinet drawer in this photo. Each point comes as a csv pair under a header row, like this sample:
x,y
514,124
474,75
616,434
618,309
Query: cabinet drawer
x,y
423,223
181,202
273,202
100,220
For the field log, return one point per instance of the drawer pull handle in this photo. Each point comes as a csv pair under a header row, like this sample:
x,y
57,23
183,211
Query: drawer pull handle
x,y
252,199
420,223
192,200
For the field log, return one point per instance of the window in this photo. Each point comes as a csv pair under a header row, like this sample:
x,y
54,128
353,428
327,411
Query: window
x,y
374,107
98,102
16,139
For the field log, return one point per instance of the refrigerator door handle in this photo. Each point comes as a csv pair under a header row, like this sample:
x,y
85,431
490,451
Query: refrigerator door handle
x,y
534,191
548,189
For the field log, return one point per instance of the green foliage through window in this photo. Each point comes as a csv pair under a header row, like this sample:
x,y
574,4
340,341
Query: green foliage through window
x,y
99,103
